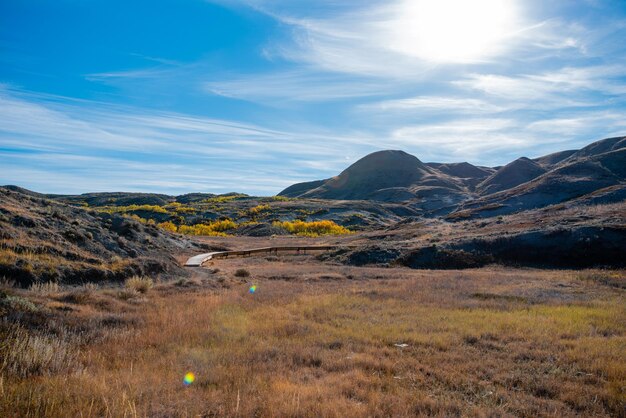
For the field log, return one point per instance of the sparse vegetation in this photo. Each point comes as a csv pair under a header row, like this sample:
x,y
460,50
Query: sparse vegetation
x,y
180,208
132,208
47,288
242,273
224,199
257,210
139,284
606,277
281,198
43,241
312,229
140,219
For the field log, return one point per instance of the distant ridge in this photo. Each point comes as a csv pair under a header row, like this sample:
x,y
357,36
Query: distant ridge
x,y
388,176
439,188
513,174
554,158
299,189
462,170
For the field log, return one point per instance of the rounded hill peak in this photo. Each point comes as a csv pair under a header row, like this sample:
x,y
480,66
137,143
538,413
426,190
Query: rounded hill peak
x,y
395,160
513,174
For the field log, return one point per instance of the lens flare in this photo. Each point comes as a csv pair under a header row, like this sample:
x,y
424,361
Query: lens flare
x,y
189,378
252,289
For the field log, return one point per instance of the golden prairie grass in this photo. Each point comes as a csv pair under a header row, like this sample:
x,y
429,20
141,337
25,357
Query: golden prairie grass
x,y
47,288
139,284
25,354
338,349
45,262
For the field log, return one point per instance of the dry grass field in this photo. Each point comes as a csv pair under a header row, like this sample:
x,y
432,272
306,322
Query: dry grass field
x,y
320,340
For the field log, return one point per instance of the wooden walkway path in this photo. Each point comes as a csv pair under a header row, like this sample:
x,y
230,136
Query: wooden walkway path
x,y
198,260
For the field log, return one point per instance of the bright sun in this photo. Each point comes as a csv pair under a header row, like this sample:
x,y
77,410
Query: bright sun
x,y
453,30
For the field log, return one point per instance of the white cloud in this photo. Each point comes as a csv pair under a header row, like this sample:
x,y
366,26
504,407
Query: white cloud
x,y
437,104
75,143
588,123
384,38
297,86
566,87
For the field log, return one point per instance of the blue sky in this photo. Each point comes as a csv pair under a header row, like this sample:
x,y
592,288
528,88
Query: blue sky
x,y
179,96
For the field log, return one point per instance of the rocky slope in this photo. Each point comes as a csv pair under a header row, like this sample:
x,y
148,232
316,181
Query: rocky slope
x,y
513,174
573,179
45,240
568,235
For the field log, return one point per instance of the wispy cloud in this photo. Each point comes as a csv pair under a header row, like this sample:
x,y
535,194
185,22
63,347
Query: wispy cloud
x,y
362,37
82,142
298,86
313,87
587,123
436,104
552,84
467,139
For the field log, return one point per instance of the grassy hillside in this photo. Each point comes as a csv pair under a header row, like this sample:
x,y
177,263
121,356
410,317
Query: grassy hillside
x,y
45,241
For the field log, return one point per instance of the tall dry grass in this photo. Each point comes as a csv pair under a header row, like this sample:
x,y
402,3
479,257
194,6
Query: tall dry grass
x,y
24,354
139,284
337,348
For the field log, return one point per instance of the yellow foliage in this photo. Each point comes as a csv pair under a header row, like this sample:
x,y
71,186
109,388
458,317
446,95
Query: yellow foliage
x,y
214,229
180,208
222,199
140,219
313,229
223,225
133,208
280,198
258,209
200,229
168,226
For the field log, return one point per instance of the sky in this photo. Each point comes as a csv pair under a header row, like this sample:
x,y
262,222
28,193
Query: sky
x,y
179,96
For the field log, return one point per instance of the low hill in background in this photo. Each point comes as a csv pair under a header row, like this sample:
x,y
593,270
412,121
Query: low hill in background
x,y
446,188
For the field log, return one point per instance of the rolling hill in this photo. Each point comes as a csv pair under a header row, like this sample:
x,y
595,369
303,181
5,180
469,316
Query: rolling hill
x,y
468,190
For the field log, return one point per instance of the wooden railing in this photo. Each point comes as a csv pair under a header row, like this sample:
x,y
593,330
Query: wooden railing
x,y
200,259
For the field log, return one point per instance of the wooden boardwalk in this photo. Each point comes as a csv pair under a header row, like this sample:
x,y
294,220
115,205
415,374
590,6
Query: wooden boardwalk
x,y
198,260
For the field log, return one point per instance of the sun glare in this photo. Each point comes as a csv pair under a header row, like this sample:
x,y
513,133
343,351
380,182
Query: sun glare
x,y
453,30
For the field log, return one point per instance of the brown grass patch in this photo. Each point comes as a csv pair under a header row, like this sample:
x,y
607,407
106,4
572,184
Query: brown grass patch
x,y
337,348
